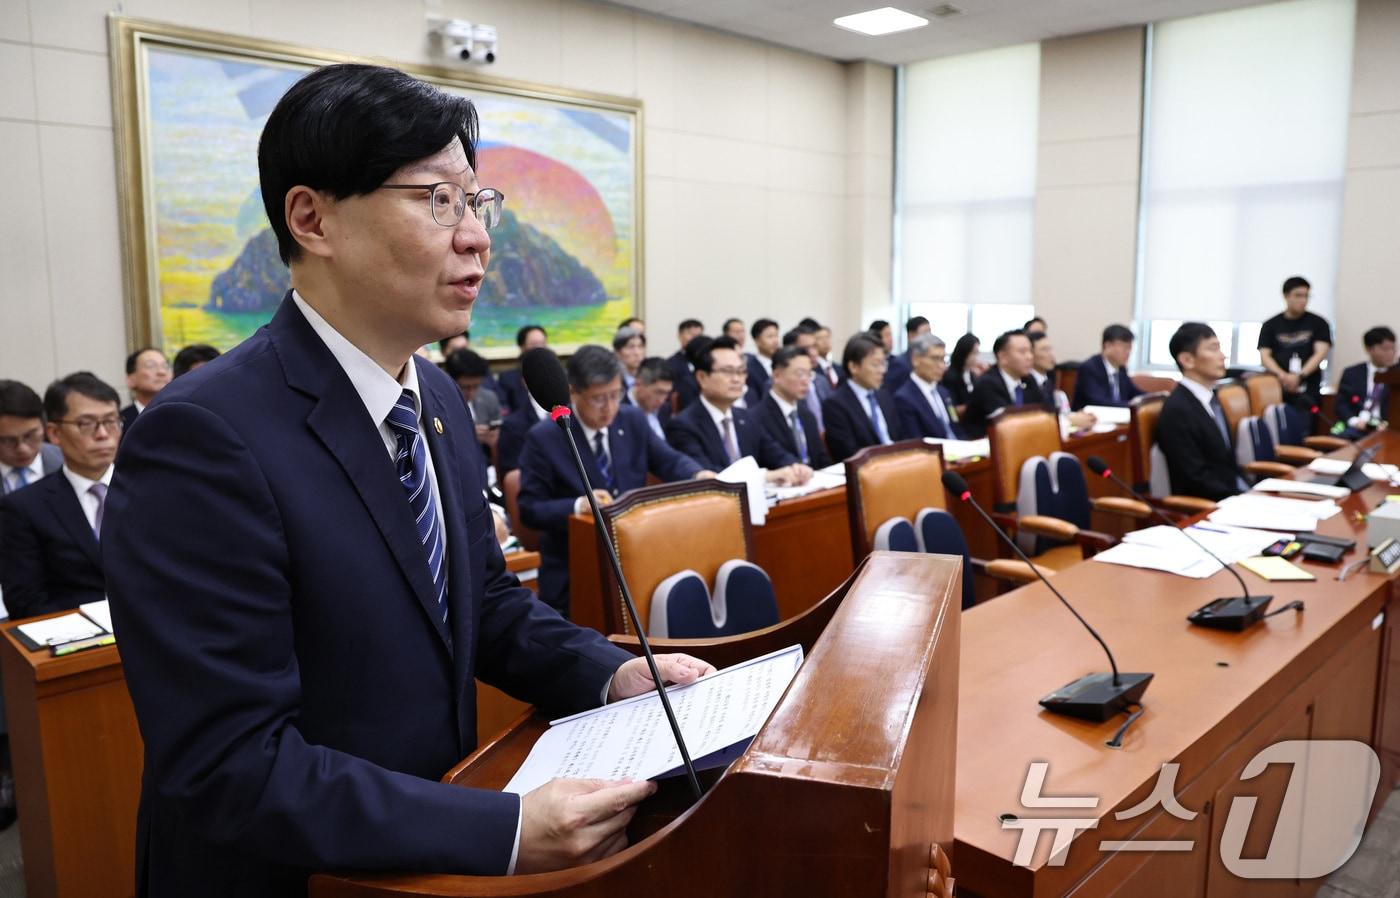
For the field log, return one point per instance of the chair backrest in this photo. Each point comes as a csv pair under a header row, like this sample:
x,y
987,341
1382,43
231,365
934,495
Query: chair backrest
x,y
1154,383
684,607
660,530
1234,398
1264,391
1016,435
510,488
1143,413
894,481
1253,441
1066,376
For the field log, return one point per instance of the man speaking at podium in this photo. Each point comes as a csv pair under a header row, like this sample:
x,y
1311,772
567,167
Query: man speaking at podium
x,y
300,643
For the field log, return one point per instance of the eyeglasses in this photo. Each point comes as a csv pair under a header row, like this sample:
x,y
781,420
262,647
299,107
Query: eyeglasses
x,y
449,202
34,437
88,426
731,372
603,400
801,375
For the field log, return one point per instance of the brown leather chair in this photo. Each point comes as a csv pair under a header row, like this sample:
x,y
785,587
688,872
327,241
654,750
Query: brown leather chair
x,y
1143,413
664,529
1265,391
1153,383
1234,399
1017,435
510,488
1066,377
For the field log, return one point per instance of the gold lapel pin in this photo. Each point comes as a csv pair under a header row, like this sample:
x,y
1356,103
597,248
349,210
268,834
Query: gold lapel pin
x,y
437,424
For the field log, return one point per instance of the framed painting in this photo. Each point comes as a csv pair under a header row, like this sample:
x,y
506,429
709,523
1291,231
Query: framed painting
x,y
200,260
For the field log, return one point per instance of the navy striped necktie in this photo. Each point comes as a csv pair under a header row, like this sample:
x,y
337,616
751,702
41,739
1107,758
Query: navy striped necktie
x,y
412,465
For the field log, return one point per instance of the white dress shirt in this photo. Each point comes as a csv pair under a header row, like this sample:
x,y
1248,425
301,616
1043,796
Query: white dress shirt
x,y
1011,383
9,477
766,362
82,487
1205,395
719,417
864,396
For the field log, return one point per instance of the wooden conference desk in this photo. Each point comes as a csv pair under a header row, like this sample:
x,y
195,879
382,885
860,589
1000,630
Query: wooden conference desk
x,y
1332,672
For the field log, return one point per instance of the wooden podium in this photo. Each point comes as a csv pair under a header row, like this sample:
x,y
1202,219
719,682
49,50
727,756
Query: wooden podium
x,y
847,790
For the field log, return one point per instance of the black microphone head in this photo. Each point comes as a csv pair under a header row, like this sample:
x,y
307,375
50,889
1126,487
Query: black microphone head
x,y
954,483
544,378
1098,466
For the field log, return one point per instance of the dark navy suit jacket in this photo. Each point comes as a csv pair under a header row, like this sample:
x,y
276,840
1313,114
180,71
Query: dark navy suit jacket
x,y
897,374
770,416
1352,385
991,395
916,417
549,483
683,383
511,389
1092,387
693,432
848,425
1199,462
759,380
511,440
49,558
298,692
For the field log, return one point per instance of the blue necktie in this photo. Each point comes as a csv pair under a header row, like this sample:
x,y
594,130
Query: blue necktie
x,y
21,478
412,465
875,418
1113,384
1220,424
600,454
1020,395
800,436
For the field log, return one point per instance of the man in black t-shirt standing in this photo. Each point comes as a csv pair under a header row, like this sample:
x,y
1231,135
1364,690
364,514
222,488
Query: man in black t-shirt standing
x,y
1294,343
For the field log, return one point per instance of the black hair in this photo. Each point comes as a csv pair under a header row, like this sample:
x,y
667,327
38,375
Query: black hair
x,y
1373,337
132,359
689,323
858,347
592,365
1000,342
190,356
1030,321
760,326
467,335
466,363
724,328
790,338
877,326
705,358
912,326
627,335
696,345
961,350
629,322
810,322
524,333
1117,333
345,129
783,357
1036,336
1294,283
19,401
653,369
1188,338
84,383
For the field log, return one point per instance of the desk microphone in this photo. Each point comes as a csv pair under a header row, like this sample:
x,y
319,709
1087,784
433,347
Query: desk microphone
x,y
544,378
1234,613
1095,696
1334,426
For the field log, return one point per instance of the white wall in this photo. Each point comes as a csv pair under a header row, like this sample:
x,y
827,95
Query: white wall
x,y
757,158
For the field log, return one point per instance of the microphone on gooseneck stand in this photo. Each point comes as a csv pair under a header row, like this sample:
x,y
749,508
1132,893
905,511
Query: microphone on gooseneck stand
x,y
1233,613
1095,696
545,379
1334,426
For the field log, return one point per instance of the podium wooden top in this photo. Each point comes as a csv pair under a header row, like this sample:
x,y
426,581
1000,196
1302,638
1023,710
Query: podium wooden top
x,y
44,665
1210,685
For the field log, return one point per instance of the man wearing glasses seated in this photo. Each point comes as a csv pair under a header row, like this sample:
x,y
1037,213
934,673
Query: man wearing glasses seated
x,y
49,559
24,456
619,450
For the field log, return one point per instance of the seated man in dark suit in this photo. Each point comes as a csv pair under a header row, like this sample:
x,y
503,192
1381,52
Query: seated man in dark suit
x,y
469,370
652,393
683,367
511,440
147,373
512,384
1191,431
784,412
464,341
804,338
715,433
618,448
1103,379
24,456
1362,404
859,413
901,365
301,562
1007,383
49,557
630,347
734,329
766,341
925,405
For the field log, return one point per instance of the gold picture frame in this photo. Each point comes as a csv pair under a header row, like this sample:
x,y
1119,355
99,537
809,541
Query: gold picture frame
x,y
162,296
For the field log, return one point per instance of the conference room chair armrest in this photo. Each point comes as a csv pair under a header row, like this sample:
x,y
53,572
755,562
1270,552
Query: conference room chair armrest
x,y
1044,525
1122,505
1296,455
1188,505
1092,541
1013,571
1325,444
1268,469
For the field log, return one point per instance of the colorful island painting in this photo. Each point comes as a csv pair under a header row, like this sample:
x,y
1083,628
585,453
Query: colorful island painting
x,y
564,254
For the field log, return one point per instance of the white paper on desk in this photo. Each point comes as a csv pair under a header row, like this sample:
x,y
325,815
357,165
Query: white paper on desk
x,y
1339,466
1229,543
60,630
1195,564
1103,427
1110,413
99,613
957,450
747,472
1302,487
631,739
1257,503
820,481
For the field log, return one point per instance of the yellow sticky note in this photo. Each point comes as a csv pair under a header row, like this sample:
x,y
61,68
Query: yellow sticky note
x,y
1271,567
